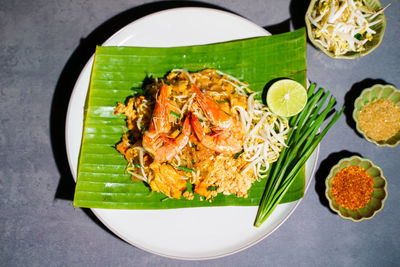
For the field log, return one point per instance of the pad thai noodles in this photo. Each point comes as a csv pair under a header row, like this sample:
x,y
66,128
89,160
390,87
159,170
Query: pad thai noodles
x,y
204,130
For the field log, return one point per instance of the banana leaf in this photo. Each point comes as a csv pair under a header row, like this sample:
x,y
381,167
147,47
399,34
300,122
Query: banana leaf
x,y
120,71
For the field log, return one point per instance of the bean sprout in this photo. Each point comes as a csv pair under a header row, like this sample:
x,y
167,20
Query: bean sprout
x,y
343,25
265,136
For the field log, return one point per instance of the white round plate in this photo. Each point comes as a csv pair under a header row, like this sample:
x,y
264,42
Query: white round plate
x,y
190,233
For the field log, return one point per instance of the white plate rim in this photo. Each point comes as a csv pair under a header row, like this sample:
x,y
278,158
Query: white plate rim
x,y
72,116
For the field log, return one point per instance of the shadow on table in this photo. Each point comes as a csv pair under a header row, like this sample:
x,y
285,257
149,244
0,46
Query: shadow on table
x,y
352,95
323,172
280,27
297,10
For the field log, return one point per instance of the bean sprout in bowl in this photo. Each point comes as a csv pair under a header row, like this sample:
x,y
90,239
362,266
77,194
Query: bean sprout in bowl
x,y
345,28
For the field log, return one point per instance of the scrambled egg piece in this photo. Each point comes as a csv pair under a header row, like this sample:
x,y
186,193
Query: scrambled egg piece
x,y
167,180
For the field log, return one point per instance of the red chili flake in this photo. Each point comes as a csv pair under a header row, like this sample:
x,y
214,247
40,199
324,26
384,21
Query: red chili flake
x,y
352,187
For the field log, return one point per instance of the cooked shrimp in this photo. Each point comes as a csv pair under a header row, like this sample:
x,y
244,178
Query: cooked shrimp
x,y
213,112
173,146
156,140
228,133
159,122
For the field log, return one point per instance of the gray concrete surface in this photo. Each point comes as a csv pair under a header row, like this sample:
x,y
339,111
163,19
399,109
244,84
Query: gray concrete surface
x,y
43,47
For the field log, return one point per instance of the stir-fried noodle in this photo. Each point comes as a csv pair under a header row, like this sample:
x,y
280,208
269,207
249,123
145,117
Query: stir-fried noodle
x,y
206,128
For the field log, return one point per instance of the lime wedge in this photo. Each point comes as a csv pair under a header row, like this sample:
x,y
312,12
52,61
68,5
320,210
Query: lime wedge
x,y
286,98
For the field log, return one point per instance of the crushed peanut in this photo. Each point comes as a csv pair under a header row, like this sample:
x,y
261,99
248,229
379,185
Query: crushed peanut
x,y
380,119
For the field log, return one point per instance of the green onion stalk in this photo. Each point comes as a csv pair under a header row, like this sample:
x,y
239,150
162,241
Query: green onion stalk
x,y
184,169
302,140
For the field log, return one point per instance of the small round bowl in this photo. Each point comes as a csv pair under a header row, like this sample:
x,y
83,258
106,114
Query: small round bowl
x,y
378,91
378,196
370,46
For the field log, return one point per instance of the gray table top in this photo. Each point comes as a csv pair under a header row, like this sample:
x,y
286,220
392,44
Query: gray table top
x,y
44,46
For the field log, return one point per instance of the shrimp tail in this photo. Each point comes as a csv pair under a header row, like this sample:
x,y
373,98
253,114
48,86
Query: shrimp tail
x,y
220,141
174,146
212,111
160,118
159,123
197,128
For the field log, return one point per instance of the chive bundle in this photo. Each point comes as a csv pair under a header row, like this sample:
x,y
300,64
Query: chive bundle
x,y
302,141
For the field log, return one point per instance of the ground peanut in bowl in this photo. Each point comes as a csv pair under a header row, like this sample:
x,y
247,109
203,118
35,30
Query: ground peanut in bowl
x,y
380,119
